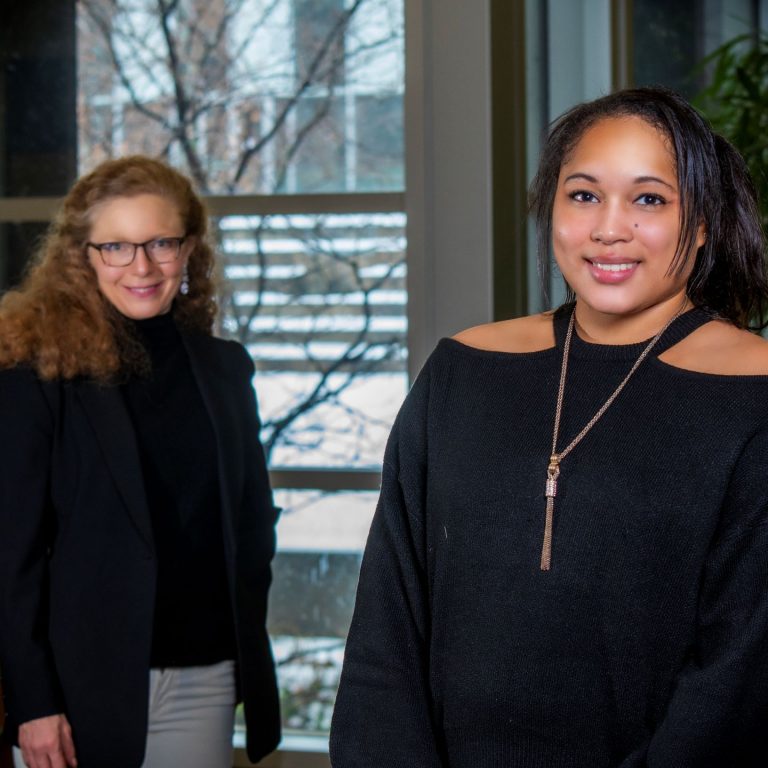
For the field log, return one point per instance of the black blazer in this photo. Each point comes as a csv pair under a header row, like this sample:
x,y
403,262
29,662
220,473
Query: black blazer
x,y
77,560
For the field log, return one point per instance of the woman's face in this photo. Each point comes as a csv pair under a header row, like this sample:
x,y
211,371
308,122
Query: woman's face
x,y
616,219
142,289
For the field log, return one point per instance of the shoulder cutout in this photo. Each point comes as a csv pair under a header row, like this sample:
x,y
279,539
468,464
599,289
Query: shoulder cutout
x,y
522,334
722,349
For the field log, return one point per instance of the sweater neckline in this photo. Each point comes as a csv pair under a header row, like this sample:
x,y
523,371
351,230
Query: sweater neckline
x,y
158,335
681,327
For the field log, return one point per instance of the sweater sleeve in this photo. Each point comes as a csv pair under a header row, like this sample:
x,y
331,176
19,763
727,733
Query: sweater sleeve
x,y
718,713
30,682
383,714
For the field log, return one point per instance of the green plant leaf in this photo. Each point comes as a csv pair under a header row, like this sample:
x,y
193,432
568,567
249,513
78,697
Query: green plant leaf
x,y
735,100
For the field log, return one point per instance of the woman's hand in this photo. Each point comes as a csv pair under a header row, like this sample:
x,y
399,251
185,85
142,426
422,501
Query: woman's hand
x,y
47,743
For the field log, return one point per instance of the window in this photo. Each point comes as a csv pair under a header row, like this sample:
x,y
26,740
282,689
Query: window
x,y
300,101
671,41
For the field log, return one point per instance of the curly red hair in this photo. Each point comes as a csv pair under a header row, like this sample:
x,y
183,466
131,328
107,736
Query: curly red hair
x,y
58,321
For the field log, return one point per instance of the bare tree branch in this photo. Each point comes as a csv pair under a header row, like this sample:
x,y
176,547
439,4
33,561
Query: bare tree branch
x,y
333,35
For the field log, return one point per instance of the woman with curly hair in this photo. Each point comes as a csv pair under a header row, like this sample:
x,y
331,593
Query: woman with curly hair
x,y
136,516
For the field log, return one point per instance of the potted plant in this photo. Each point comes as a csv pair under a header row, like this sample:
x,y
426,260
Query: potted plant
x,y
736,102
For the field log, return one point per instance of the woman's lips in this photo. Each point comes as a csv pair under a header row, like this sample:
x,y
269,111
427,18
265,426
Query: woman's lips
x,y
612,272
142,291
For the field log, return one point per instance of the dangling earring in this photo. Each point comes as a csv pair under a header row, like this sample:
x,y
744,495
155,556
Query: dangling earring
x,y
184,288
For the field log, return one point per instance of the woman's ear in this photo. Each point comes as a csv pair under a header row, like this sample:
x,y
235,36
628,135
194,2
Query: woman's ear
x,y
701,236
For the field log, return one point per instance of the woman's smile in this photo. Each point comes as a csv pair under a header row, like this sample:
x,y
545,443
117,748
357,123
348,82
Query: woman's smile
x,y
142,290
610,271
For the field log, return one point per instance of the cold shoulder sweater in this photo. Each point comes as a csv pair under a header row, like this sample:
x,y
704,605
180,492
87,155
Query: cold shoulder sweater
x,y
646,644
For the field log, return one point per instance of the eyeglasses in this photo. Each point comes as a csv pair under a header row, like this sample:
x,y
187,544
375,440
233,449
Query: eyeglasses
x,y
160,250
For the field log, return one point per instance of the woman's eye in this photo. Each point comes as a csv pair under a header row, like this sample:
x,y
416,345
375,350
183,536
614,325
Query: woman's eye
x,y
650,199
582,196
112,246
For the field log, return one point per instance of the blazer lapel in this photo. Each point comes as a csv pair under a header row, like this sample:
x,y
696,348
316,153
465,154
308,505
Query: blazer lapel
x,y
220,409
111,423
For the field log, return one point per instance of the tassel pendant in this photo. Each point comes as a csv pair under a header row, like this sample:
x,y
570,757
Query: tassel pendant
x,y
553,472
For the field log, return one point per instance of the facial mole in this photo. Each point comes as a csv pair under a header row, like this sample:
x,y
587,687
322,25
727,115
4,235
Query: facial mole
x,y
636,225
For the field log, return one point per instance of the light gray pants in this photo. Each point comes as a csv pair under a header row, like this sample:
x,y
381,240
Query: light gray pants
x,y
191,717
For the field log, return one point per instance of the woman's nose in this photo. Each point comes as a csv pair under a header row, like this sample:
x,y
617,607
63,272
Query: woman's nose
x,y
142,264
612,225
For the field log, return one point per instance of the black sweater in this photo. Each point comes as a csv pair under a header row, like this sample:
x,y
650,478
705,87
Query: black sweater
x,y
647,642
193,617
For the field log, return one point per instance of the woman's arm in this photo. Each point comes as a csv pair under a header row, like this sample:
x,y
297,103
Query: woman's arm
x,y
384,714
30,682
718,714
256,548
259,498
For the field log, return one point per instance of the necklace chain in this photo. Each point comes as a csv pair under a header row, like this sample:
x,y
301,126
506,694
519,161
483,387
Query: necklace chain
x,y
555,459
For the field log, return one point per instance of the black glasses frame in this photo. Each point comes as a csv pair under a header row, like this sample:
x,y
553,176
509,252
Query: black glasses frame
x,y
99,246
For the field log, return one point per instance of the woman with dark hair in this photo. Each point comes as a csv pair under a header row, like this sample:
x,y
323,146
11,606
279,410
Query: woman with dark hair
x,y
136,516
568,565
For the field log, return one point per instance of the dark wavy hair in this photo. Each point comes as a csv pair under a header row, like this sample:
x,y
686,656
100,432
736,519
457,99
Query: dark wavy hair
x,y
58,321
729,275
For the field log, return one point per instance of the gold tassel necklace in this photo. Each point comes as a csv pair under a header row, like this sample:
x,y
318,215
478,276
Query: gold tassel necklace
x,y
556,459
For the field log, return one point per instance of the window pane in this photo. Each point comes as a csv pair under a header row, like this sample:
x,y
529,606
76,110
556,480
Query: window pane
x,y
320,158
37,101
320,541
666,44
320,302
671,39
247,97
379,142
316,41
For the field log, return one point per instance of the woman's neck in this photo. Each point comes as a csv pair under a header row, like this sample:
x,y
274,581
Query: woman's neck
x,y
596,327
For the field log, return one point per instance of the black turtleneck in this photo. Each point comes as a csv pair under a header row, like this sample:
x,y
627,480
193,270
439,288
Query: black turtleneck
x,y
193,617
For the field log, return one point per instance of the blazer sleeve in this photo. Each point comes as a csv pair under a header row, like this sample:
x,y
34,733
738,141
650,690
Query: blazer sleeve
x,y
384,714
256,547
718,713
30,682
259,510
